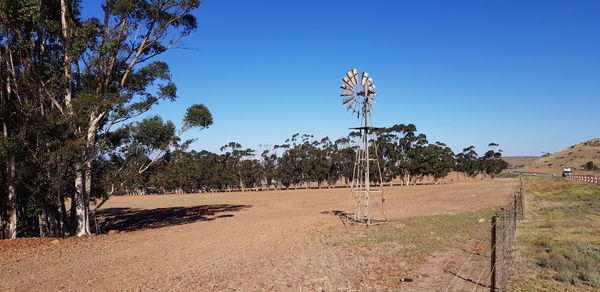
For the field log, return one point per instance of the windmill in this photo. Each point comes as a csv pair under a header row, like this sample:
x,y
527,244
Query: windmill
x,y
359,98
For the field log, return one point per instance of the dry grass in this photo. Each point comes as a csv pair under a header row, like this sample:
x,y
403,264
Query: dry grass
x,y
422,235
558,246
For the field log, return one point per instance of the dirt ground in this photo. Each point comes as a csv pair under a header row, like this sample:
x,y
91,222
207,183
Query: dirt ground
x,y
275,240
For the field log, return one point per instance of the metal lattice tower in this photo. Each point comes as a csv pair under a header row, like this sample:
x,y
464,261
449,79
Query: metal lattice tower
x,y
368,200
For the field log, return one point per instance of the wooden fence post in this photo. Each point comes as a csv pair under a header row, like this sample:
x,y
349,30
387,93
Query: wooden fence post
x,y
493,256
522,206
515,213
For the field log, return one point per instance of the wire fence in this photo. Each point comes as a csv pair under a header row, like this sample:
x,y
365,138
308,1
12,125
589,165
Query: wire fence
x,y
488,269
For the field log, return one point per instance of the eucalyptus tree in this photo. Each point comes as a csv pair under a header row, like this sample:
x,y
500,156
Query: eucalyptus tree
x,y
343,157
468,162
234,155
401,152
105,85
439,160
269,167
136,147
320,164
492,162
96,74
29,100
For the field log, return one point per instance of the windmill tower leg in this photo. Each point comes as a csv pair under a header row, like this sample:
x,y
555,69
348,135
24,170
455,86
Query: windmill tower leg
x,y
367,170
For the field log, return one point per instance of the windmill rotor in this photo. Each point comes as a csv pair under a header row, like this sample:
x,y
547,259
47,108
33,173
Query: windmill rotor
x,y
356,95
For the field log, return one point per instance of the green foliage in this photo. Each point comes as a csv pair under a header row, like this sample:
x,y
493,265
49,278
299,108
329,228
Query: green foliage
x,y
301,161
197,115
106,64
590,166
152,134
467,162
490,164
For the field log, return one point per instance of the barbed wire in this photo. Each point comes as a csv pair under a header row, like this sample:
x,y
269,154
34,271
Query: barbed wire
x,y
505,228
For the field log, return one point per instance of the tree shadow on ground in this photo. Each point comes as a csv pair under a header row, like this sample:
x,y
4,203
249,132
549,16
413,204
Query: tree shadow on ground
x,y
128,219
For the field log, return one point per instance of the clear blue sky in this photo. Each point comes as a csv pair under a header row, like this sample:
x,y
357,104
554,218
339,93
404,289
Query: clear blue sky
x,y
524,74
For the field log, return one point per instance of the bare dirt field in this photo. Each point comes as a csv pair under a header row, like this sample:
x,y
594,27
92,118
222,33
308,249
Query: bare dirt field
x,y
275,240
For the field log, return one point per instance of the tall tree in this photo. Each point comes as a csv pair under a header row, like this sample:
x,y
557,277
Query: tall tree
x,y
107,88
492,162
468,163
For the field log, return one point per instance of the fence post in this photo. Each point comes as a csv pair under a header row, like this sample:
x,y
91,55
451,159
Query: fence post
x,y
515,202
493,256
522,210
521,184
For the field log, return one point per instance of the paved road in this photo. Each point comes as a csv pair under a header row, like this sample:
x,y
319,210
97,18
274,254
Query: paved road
x,y
533,174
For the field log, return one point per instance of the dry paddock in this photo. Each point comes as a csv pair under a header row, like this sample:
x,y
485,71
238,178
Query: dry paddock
x,y
275,240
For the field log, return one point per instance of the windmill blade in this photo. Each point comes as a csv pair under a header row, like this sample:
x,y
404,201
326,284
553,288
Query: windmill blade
x,y
347,93
372,93
369,80
355,76
371,99
350,77
351,106
346,86
365,76
361,93
346,100
346,81
372,87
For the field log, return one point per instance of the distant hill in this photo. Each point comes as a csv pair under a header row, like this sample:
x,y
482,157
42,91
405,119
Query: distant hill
x,y
575,156
519,161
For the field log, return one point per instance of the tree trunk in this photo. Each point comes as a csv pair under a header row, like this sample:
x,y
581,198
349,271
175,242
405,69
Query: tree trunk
x,y
66,32
81,222
12,193
2,225
10,172
72,211
83,179
12,198
42,223
62,211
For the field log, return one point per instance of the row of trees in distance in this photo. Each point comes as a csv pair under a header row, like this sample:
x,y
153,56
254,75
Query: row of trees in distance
x,y
303,161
